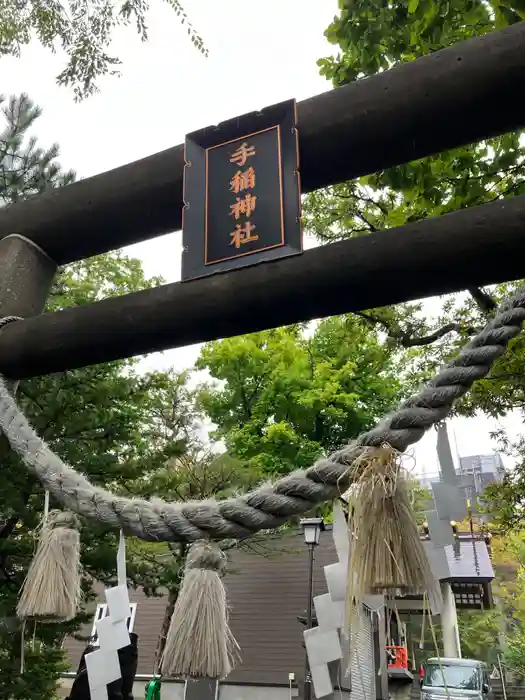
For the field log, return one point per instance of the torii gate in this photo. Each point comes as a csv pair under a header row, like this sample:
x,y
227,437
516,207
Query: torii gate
x,y
458,95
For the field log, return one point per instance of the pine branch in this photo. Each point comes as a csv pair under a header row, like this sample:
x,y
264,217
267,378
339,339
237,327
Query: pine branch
x,y
25,169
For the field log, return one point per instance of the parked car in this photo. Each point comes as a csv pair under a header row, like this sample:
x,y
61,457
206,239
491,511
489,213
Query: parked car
x,y
456,679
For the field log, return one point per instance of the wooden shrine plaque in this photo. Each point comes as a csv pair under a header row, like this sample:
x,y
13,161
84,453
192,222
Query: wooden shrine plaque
x,y
242,199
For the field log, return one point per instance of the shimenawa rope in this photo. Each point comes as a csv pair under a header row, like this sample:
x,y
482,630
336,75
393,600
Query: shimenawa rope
x,y
271,505
369,465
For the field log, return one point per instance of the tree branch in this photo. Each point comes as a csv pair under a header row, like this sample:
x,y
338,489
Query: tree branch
x,y
406,340
375,320
485,302
436,335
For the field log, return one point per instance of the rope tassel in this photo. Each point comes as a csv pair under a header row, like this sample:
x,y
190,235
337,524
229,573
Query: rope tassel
x,y
199,642
386,553
51,590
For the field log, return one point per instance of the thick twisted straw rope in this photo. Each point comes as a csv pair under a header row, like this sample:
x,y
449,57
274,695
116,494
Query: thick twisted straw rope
x,y
268,506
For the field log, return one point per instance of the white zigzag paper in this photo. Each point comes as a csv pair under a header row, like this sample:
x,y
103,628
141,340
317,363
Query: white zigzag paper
x,y
103,665
323,643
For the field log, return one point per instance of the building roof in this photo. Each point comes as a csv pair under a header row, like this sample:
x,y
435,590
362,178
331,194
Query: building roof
x,y
267,589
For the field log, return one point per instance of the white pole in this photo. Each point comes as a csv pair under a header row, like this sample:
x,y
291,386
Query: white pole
x,y
502,676
449,624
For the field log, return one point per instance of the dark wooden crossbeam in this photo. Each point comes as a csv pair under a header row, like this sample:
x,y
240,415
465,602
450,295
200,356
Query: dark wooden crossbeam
x,y
476,246
460,95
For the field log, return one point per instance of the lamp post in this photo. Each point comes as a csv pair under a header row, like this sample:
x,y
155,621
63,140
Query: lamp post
x,y
312,531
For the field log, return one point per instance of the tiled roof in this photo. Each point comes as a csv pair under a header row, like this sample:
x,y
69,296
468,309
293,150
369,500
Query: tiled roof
x,y
266,592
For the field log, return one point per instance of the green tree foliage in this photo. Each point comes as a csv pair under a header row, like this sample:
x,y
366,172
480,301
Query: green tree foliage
x,y
509,565
196,474
25,169
84,30
285,396
370,36
421,499
109,422
478,631
515,654
374,36
505,501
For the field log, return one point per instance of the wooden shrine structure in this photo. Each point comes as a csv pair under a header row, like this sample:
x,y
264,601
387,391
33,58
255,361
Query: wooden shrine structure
x,y
459,95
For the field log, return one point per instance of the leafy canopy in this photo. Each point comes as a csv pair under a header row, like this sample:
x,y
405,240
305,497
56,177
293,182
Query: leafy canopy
x,y
116,426
283,397
374,35
83,29
109,422
371,36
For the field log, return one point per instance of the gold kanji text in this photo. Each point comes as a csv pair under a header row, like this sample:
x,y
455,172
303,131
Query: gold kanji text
x,y
243,234
244,207
241,155
243,181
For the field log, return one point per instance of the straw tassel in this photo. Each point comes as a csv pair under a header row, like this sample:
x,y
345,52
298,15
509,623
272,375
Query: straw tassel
x,y
51,590
386,553
199,643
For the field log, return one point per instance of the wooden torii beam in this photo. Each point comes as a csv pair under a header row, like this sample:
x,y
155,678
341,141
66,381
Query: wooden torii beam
x,y
455,96
475,246
459,95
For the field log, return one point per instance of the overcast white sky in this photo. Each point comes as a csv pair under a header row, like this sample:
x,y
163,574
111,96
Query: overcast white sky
x,y
259,54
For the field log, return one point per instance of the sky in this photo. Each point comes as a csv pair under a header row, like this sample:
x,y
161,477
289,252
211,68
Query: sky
x,y
168,89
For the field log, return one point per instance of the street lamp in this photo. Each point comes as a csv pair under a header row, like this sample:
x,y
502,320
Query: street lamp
x,y
312,531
